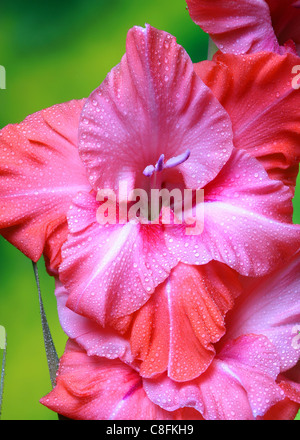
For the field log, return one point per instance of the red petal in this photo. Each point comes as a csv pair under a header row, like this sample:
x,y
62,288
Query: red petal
x,y
176,329
40,173
256,90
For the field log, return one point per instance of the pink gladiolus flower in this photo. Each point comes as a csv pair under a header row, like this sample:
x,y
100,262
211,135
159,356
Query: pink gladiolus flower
x,y
254,373
153,104
152,122
248,26
157,325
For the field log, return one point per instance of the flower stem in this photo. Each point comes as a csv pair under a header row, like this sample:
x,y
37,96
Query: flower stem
x,y
52,357
2,374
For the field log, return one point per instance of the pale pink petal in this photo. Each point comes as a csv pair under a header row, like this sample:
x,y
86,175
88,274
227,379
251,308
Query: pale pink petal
x,y
40,174
151,104
91,388
95,340
111,270
272,308
239,384
236,26
246,221
175,330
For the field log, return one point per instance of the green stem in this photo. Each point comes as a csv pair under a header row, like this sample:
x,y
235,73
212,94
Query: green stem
x,y
2,374
52,357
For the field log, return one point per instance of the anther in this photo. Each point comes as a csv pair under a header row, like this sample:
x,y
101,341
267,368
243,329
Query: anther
x,y
171,163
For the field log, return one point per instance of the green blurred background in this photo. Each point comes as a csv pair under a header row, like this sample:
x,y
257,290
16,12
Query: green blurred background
x,y
54,51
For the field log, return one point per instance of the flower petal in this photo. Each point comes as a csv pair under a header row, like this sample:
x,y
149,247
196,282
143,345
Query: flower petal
x,y
246,221
272,308
291,389
95,340
40,173
286,409
175,330
239,384
111,270
242,26
285,19
151,104
257,92
91,388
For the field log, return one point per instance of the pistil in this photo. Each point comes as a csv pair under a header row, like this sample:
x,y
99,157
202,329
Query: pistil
x,y
160,165
153,171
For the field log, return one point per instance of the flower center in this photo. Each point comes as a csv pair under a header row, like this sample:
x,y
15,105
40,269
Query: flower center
x,y
158,196
161,165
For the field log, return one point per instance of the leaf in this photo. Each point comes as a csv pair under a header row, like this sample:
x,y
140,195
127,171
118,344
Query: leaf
x,y
52,357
